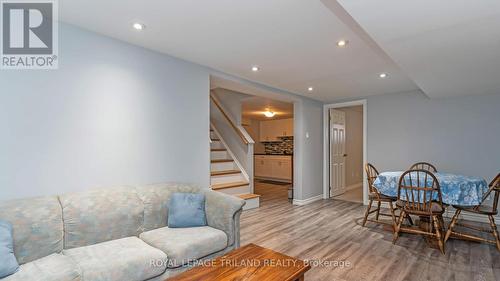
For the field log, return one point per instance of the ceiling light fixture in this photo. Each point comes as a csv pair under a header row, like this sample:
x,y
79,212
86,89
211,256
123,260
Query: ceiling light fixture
x,y
342,43
255,68
138,26
382,75
310,89
269,114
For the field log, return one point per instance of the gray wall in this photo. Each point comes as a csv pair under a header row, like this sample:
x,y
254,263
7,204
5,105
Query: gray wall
x,y
117,114
112,114
308,158
459,135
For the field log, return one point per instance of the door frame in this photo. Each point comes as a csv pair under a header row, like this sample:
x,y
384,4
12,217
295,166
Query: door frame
x,y
326,150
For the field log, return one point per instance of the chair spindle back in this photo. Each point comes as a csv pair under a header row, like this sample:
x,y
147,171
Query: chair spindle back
x,y
424,166
494,187
419,190
371,176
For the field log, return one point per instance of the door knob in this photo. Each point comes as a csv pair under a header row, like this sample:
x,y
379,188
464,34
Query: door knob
x,y
345,155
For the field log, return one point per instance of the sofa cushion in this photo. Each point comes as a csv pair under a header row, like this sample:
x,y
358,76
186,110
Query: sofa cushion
x,y
37,226
126,259
8,262
155,198
101,215
183,245
186,210
55,267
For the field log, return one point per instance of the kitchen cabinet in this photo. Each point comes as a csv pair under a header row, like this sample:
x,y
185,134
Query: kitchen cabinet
x,y
274,167
272,130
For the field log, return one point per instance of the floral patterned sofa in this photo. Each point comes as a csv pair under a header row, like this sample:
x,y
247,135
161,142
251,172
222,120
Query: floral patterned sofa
x,y
116,234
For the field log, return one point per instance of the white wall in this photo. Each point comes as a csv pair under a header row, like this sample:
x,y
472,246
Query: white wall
x,y
112,114
253,128
117,114
308,152
459,135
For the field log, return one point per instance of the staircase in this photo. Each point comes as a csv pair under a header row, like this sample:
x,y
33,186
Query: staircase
x,y
226,176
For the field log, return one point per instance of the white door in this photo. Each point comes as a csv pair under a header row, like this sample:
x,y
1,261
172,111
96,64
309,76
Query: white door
x,y
337,152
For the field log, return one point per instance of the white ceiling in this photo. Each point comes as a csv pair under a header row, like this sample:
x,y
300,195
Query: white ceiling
x,y
448,47
293,41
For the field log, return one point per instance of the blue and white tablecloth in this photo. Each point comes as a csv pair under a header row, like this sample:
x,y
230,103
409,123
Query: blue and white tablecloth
x,y
456,189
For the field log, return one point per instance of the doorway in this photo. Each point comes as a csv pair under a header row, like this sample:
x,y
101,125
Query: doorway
x,y
345,151
270,123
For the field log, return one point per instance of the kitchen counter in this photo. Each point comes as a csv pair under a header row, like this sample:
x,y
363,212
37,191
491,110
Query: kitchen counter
x,y
274,166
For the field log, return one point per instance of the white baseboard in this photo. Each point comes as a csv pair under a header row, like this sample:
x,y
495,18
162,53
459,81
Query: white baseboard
x,y
302,202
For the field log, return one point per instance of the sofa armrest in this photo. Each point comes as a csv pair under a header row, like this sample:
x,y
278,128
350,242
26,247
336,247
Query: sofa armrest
x,y
223,212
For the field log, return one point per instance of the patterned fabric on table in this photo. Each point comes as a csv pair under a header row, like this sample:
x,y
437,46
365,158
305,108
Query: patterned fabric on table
x,y
456,189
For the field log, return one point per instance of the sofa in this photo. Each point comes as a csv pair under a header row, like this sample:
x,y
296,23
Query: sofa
x,y
117,233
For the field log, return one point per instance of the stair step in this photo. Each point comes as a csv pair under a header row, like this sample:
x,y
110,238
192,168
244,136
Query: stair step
x,y
248,196
221,160
225,172
228,185
218,149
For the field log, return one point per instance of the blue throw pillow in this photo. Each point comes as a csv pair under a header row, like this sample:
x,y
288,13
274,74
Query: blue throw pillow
x,y
8,262
186,210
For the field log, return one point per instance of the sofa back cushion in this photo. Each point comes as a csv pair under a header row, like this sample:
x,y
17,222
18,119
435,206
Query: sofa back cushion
x,y
101,215
37,227
156,198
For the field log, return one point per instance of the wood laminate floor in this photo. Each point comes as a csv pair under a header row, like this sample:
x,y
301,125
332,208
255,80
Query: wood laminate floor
x,y
330,230
353,195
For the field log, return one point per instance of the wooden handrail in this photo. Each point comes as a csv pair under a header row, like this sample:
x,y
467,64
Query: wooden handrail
x,y
238,131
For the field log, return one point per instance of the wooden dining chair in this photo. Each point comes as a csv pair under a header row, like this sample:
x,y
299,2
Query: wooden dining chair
x,y
419,194
376,196
482,210
424,166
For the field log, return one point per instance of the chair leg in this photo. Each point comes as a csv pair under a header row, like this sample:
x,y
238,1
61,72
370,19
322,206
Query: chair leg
x,y
393,216
442,225
378,210
495,231
367,211
398,227
438,233
452,225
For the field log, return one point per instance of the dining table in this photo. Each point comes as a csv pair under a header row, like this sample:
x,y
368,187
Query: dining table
x,y
458,190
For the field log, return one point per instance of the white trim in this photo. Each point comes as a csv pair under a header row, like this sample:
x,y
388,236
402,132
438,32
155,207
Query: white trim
x,y
326,123
243,171
302,202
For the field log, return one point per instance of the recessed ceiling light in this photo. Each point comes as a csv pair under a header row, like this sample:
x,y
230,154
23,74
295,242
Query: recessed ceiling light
x,y
310,89
382,75
269,114
255,68
342,43
138,26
